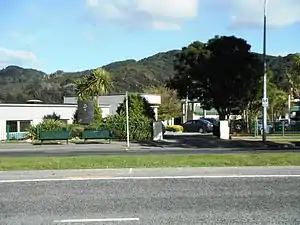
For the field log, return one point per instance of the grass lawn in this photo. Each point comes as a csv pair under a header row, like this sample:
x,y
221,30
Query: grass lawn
x,y
148,161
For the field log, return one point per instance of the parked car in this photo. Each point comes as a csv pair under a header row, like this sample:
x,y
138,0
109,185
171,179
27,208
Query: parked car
x,y
214,121
269,130
201,126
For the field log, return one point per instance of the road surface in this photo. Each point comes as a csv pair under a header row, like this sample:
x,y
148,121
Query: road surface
x,y
167,196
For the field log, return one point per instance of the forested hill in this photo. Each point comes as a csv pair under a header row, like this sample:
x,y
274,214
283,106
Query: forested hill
x,y
17,84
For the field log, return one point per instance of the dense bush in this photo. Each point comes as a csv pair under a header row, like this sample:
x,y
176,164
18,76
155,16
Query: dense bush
x,y
140,127
76,130
45,125
174,128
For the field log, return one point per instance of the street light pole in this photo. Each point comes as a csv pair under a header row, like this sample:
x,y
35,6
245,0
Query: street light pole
x,y
265,100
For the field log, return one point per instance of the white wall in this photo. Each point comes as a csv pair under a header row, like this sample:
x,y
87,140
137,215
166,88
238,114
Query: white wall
x,y
33,112
110,103
154,99
105,111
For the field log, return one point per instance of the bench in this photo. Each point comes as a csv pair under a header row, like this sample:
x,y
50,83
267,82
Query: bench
x,y
54,135
97,134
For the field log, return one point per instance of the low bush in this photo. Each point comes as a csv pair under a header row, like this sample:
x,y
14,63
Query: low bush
x,y
76,130
140,127
45,125
174,128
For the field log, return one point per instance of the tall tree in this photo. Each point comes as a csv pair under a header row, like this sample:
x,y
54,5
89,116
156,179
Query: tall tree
x,y
184,62
97,83
222,74
170,103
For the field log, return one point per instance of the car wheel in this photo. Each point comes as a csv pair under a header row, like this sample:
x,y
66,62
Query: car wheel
x,y
201,130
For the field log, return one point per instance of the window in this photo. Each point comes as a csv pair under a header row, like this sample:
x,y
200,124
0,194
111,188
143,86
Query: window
x,y
12,125
24,124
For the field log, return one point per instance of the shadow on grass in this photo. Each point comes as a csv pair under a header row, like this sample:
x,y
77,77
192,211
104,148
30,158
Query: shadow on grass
x,y
210,141
296,143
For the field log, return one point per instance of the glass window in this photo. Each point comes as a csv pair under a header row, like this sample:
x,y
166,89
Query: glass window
x,y
12,125
24,124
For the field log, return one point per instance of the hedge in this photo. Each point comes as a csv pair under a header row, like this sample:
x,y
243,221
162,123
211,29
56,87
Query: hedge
x,y
174,128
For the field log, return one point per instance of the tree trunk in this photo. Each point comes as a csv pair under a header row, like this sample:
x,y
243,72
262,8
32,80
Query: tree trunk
x,y
222,116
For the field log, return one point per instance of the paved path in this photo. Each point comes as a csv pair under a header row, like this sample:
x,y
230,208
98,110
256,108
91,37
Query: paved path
x,y
18,150
256,196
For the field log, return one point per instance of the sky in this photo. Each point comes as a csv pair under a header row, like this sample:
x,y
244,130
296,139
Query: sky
x,y
74,35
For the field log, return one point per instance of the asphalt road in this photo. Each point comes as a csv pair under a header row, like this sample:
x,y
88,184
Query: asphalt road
x,y
19,150
235,196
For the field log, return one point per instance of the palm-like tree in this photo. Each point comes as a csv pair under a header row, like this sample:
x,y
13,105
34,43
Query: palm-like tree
x,y
97,83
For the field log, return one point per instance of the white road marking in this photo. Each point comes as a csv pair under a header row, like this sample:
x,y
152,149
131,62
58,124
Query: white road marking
x,y
151,178
96,220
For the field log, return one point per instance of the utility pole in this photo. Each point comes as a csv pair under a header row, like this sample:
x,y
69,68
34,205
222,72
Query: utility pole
x,y
127,120
186,107
265,99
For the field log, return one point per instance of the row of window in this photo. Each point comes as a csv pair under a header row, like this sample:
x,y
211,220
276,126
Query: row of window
x,y
12,125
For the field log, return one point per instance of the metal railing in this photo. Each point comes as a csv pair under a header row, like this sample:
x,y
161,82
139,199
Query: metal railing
x,y
254,128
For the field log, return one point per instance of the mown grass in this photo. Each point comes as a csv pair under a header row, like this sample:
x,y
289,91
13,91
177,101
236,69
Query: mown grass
x,y
148,161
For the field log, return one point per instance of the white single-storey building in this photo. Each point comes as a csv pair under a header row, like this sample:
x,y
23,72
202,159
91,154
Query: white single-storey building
x,y
110,103
16,118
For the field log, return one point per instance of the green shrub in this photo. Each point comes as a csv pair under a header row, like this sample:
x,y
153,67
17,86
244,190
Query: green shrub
x,y
45,125
52,125
140,127
76,130
174,128
31,132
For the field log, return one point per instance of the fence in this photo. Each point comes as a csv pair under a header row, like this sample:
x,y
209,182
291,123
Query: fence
x,y
255,128
16,135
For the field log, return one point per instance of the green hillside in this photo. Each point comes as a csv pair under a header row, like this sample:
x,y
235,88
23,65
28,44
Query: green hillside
x,y
19,84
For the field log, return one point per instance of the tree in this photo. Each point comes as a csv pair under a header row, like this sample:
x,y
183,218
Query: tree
x,y
52,116
170,104
293,76
222,74
277,99
184,62
97,83
137,106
